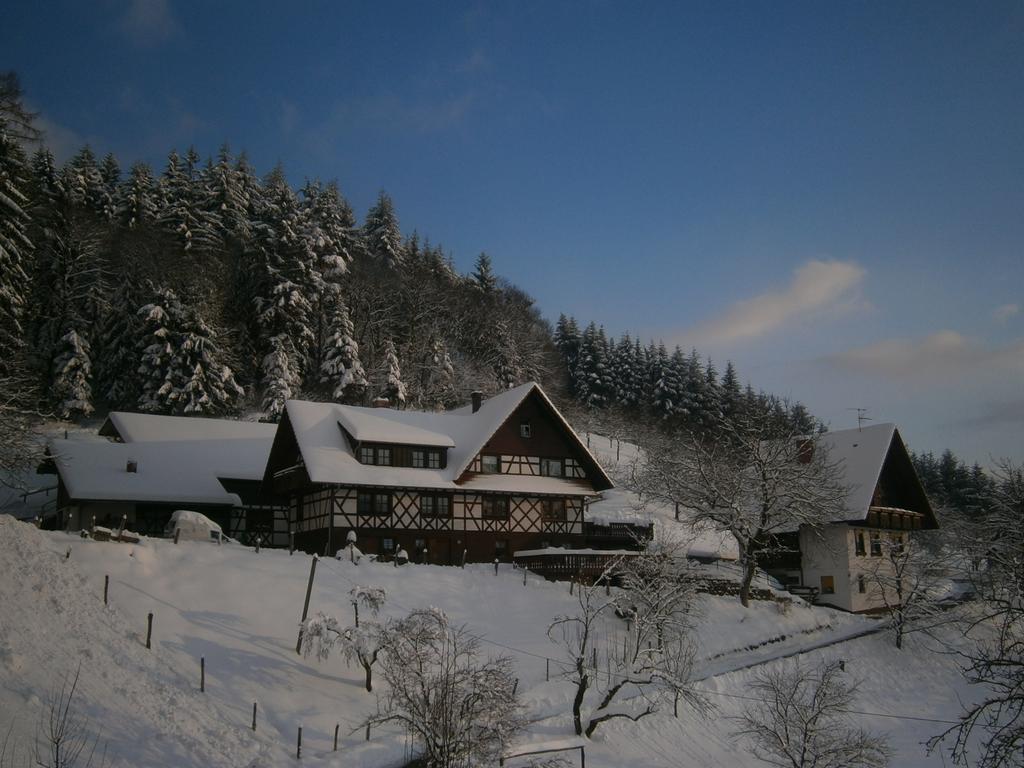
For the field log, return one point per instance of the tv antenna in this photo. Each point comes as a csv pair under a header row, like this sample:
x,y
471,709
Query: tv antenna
x,y
861,416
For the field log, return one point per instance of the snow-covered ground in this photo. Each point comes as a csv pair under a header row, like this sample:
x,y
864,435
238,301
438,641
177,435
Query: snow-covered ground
x,y
240,610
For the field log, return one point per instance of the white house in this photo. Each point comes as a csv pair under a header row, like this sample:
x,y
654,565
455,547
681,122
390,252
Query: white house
x,y
885,503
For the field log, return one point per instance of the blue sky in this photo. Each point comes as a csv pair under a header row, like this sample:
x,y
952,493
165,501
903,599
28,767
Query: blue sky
x,y
830,194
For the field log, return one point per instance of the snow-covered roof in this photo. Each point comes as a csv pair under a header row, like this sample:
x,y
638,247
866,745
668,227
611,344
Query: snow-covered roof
x,y
184,471
328,457
149,427
860,454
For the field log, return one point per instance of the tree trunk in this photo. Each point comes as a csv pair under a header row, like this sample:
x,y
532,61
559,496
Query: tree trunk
x,y
577,702
749,566
368,666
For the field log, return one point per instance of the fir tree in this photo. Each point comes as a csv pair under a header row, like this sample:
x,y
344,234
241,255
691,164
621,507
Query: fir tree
x,y
15,249
280,379
394,388
136,203
341,369
202,383
156,377
118,379
483,275
381,234
731,395
72,371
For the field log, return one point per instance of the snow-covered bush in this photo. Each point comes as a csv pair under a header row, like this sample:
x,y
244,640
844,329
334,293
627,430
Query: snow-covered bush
x,y
461,709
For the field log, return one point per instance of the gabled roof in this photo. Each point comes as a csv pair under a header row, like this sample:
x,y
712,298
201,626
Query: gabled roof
x,y
862,454
328,457
149,427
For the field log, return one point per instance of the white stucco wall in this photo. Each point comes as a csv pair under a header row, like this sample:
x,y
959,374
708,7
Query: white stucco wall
x,y
833,553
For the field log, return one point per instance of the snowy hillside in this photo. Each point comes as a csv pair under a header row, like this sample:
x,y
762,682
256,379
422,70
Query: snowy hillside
x,y
239,610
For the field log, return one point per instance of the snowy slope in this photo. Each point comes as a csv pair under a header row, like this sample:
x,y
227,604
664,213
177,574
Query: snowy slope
x,y
240,610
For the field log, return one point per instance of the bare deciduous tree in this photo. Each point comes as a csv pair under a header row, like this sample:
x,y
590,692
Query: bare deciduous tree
x,y
800,720
994,657
462,709
752,478
652,659
905,581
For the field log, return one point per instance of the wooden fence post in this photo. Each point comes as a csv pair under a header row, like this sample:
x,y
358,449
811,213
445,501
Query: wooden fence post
x,y
583,757
254,717
177,535
106,587
291,541
305,607
367,731
336,727
298,745
547,670
464,557
149,630
202,674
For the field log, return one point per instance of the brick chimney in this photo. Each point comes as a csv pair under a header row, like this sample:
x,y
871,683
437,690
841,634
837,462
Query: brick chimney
x,y
381,402
477,398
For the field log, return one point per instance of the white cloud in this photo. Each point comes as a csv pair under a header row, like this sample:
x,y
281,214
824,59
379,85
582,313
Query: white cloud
x,y
149,21
942,355
1004,312
816,287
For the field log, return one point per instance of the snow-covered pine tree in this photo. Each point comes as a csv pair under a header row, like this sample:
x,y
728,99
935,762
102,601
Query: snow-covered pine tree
x,y
695,387
86,186
483,275
381,233
15,250
72,371
341,370
282,283
280,378
394,388
591,368
110,175
662,382
181,212
203,384
136,201
731,394
712,403
226,198
567,339
117,348
156,378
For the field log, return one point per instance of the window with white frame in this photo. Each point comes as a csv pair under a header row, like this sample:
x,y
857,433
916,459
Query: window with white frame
x,y
490,464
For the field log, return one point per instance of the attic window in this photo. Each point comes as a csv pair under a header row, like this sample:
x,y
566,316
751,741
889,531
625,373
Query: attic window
x,y
551,467
524,429
490,464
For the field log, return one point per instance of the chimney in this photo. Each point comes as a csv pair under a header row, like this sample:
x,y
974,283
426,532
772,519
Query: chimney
x,y
477,398
132,466
381,402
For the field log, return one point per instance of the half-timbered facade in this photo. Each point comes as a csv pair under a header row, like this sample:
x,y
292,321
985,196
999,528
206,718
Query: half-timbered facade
x,y
885,504
478,482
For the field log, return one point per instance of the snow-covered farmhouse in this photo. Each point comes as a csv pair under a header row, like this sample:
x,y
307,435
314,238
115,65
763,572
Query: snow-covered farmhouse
x,y
142,467
885,504
499,475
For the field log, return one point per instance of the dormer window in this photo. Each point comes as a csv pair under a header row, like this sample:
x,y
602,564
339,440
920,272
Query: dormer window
x,y
379,455
490,464
422,458
524,429
551,467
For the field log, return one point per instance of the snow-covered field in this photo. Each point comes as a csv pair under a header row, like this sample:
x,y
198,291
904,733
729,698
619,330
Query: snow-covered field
x,y
240,611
